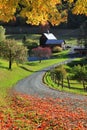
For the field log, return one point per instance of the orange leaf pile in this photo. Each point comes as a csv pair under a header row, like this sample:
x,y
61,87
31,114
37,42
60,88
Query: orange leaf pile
x,y
29,112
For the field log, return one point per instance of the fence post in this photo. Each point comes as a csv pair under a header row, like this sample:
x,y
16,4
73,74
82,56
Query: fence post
x,y
58,83
83,84
62,82
68,82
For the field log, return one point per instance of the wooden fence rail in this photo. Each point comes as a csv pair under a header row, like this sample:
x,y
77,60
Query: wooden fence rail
x,y
69,83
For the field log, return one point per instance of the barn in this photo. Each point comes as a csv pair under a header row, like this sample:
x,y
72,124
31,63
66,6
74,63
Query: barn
x,y
49,40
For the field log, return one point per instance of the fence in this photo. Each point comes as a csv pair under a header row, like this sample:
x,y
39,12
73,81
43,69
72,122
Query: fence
x,y
71,84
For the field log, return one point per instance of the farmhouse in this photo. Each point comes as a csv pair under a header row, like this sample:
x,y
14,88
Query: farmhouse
x,y
49,40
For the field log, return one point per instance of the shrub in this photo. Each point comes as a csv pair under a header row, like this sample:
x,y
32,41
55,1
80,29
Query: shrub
x,y
41,52
2,33
57,49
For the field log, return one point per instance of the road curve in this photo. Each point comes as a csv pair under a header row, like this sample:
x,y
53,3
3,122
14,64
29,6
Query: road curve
x,y
33,85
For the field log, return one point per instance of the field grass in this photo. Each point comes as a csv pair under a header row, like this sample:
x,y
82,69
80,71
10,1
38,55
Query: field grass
x,y
19,37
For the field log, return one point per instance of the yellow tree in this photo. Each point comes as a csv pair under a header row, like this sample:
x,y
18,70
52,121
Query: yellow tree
x,y
79,6
41,11
7,9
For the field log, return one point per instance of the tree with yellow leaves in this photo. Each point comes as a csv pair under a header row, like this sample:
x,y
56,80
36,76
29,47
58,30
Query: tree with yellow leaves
x,y
36,12
40,11
79,6
7,9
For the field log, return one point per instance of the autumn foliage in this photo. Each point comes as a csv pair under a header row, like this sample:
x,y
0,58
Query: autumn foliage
x,y
41,11
41,52
7,9
34,113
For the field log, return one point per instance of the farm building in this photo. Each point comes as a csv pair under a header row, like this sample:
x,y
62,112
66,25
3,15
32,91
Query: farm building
x,y
49,40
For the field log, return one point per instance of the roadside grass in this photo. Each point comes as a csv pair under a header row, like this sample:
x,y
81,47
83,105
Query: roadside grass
x,y
75,86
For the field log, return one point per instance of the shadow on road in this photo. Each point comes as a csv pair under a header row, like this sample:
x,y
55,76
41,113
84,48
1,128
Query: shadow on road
x,y
26,69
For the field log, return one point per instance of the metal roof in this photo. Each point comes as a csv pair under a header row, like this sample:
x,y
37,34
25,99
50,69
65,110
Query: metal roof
x,y
50,36
54,41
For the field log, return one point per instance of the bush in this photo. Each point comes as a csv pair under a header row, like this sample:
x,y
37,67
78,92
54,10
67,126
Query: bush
x,y
57,49
2,33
